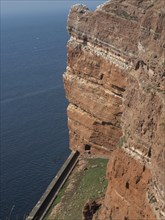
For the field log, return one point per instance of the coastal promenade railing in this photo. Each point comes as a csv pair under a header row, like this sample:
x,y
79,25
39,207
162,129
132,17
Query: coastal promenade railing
x,y
43,205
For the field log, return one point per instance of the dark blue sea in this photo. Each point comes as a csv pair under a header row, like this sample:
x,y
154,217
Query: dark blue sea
x,y
34,133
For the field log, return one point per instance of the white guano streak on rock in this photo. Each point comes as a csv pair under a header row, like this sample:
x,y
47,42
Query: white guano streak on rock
x,y
137,154
116,60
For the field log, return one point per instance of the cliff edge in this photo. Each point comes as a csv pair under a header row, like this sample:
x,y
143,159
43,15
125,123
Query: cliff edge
x,y
115,84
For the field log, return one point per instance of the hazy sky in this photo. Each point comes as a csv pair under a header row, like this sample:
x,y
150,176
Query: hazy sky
x,y
22,7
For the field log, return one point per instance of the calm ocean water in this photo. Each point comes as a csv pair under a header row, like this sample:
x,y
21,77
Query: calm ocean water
x,y
34,134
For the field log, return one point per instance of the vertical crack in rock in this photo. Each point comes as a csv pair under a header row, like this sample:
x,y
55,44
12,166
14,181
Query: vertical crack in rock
x,y
115,84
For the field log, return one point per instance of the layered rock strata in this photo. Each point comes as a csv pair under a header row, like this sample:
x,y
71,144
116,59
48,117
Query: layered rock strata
x,y
94,86
115,83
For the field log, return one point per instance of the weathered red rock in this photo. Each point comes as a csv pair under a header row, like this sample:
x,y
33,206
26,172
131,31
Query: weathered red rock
x,y
126,193
94,86
115,83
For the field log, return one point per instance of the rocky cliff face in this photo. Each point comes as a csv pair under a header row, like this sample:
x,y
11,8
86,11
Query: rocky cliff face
x,y
115,83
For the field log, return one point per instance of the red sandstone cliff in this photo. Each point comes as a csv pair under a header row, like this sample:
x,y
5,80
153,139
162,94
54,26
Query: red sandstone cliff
x,y
115,83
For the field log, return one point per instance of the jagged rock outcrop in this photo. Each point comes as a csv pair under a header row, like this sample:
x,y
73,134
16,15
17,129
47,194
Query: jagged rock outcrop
x,y
115,83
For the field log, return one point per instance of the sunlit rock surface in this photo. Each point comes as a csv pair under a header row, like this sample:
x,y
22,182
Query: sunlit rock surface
x,y
115,84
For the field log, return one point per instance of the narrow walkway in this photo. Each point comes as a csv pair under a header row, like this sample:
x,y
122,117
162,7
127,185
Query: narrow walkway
x,y
43,205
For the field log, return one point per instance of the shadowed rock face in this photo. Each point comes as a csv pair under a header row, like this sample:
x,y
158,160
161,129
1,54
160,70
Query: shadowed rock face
x,y
115,83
